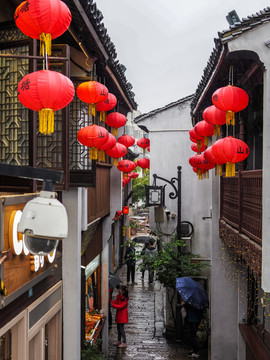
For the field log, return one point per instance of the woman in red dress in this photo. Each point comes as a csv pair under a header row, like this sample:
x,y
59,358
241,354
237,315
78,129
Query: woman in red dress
x,y
121,304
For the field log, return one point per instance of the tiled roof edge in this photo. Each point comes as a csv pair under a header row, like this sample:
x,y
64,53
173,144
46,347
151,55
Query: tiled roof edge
x,y
95,16
234,31
154,112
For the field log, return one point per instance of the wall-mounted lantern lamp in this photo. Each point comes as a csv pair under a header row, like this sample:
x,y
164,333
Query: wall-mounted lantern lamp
x,y
155,195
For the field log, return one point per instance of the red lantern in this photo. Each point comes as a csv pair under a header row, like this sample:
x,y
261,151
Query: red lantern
x,y
126,166
230,99
144,163
209,156
201,164
125,182
126,210
92,92
44,20
204,129
194,147
215,116
194,137
117,215
93,136
106,105
143,143
230,151
45,91
107,146
115,120
126,140
133,175
148,148
117,152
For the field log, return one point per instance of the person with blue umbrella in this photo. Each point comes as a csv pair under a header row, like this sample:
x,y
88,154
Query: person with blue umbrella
x,y
194,300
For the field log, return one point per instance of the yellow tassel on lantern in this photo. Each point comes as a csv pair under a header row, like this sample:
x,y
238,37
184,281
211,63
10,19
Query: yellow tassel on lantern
x,y
101,155
45,44
230,118
205,141
115,161
218,170
199,145
115,131
125,175
92,109
230,169
217,130
199,173
102,116
93,153
46,121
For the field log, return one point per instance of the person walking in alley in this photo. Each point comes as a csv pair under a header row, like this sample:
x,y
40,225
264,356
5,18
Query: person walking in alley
x,y
130,261
193,318
121,306
150,253
143,267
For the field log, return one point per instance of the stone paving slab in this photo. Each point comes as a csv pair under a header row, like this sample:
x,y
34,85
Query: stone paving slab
x,y
144,331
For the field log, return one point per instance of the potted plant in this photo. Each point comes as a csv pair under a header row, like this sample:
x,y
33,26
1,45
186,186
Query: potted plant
x,y
134,226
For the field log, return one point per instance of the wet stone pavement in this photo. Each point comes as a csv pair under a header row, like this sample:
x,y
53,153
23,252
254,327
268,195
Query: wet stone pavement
x,y
144,331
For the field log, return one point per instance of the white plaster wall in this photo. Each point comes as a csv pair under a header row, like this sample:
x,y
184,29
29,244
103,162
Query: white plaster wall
x,y
171,147
71,269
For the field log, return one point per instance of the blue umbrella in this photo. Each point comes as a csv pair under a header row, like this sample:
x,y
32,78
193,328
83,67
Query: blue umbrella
x,y
192,293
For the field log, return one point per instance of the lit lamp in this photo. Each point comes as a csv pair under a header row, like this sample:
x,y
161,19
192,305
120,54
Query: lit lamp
x,y
126,210
154,195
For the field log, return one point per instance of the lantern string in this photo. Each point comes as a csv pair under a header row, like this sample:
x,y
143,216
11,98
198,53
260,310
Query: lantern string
x,y
231,75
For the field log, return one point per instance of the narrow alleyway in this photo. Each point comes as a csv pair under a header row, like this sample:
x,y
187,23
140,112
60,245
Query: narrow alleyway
x,y
144,331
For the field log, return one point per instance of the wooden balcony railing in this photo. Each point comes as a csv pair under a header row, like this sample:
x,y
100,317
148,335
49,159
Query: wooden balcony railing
x,y
241,203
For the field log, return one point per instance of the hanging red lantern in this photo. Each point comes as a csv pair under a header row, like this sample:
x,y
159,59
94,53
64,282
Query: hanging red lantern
x,y
44,20
194,147
204,129
126,166
230,99
202,165
143,143
194,137
126,210
125,182
92,92
117,215
215,116
45,91
230,151
107,146
116,120
126,140
133,175
209,156
117,152
106,105
144,163
93,136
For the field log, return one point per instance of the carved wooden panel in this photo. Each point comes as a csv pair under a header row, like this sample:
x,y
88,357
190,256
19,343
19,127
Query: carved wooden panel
x,y
245,248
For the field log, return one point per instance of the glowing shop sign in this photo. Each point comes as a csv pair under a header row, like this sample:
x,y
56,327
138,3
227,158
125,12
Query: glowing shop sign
x,y
17,245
